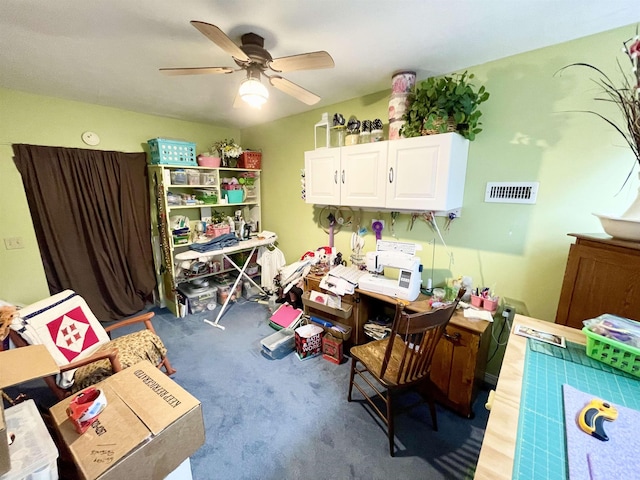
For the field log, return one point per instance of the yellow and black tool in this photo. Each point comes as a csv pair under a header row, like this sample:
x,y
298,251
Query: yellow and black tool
x,y
593,415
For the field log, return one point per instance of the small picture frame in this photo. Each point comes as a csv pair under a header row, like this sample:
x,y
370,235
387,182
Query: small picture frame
x,y
545,337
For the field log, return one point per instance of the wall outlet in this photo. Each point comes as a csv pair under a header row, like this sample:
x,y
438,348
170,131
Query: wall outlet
x,y
508,313
13,243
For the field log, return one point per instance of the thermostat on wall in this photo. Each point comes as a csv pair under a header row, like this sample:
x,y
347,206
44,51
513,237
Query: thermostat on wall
x,y
91,138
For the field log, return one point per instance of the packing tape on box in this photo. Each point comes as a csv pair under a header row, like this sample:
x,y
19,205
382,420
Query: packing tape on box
x,y
85,407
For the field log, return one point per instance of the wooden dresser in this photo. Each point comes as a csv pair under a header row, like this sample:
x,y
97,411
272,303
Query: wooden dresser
x,y
461,356
602,276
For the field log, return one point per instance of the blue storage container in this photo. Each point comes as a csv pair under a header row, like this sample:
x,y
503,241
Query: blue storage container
x,y
172,152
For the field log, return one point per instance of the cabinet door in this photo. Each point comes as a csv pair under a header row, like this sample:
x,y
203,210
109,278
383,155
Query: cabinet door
x,y
427,173
454,368
599,279
322,171
362,175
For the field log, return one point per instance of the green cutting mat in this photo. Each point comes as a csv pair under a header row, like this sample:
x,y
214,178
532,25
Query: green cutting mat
x,y
541,448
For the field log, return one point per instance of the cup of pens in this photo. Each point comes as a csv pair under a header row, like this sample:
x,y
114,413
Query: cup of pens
x,y
477,301
490,303
482,298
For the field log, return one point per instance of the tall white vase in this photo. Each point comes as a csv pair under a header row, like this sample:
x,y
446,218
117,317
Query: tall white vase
x,y
633,212
626,226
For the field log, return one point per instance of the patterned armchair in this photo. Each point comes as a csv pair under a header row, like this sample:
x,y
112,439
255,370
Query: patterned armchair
x,y
80,345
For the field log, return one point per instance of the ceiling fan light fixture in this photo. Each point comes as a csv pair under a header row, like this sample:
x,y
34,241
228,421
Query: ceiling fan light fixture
x,y
253,92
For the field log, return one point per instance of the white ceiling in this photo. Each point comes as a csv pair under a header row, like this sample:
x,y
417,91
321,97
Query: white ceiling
x,y
109,52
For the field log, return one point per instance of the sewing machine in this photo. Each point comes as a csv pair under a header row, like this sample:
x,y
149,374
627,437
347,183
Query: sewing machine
x,y
394,255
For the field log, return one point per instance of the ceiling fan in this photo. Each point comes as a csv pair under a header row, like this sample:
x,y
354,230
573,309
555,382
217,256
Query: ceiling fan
x,y
252,57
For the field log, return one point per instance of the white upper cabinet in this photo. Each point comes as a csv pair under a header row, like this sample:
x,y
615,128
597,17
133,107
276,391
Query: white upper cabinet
x,y
362,174
426,173
322,176
421,173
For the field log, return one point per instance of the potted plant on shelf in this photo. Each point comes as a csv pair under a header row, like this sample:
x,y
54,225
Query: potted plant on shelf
x,y
626,97
228,151
445,104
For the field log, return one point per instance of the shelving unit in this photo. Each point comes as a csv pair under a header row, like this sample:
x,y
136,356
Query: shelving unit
x,y
169,271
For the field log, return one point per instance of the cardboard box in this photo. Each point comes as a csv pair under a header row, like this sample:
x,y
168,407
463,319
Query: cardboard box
x,y
149,427
16,366
20,365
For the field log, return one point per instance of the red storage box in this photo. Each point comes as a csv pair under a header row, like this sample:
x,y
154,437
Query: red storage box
x,y
250,160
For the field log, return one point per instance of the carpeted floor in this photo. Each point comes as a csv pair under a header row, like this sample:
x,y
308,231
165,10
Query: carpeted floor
x,y
289,419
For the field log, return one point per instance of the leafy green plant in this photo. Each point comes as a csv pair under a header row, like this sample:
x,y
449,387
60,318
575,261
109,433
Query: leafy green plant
x,y
218,217
442,104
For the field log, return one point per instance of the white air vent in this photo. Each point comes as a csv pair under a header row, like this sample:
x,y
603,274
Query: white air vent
x,y
511,192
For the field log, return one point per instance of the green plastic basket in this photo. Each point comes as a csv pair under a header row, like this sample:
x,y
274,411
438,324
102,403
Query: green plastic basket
x,y
617,354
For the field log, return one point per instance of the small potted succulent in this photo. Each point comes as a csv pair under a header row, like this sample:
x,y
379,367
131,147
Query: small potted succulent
x,y
445,104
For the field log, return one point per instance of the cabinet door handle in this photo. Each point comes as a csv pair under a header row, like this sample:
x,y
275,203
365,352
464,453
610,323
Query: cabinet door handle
x,y
335,177
452,338
391,175
343,176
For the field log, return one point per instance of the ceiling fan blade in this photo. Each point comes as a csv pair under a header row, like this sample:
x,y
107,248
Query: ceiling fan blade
x,y
294,90
220,38
304,61
195,70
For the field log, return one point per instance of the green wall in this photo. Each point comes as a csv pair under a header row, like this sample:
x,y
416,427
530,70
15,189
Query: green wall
x,y
37,120
520,251
529,135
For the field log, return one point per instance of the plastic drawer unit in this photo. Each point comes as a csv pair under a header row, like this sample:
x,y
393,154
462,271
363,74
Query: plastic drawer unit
x,y
33,453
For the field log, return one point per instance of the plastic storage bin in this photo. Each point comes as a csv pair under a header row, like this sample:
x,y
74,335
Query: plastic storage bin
x,y
208,178
33,453
193,176
279,344
249,290
233,196
617,354
250,159
172,152
208,196
178,177
200,299
224,291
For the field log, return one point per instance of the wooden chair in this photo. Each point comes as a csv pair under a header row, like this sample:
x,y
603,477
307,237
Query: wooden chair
x,y
400,362
62,319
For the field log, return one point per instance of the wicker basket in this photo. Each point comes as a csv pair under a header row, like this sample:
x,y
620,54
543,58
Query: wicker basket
x,y
617,354
438,123
250,159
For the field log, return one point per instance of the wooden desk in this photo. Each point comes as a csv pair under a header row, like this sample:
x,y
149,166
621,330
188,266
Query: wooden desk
x,y
499,443
461,355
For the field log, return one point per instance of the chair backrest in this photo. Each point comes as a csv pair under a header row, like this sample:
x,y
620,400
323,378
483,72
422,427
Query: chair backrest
x,y
65,325
418,335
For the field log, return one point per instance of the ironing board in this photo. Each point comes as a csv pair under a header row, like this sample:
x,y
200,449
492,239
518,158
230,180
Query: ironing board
x,y
243,245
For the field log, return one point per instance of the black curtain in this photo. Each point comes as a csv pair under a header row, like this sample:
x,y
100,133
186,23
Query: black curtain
x,y
90,212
